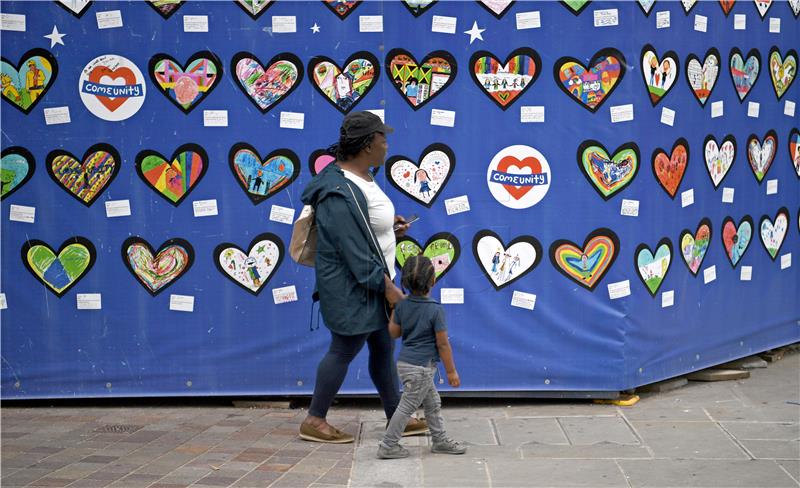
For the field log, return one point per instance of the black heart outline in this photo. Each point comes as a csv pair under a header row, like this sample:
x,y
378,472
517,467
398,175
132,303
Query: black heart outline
x,y
752,53
436,146
155,59
680,142
175,241
266,236
27,245
250,13
782,210
53,75
628,145
641,247
794,133
575,12
286,56
75,14
605,52
285,152
526,51
439,235
169,14
750,139
733,3
685,11
709,138
312,158
704,221
190,146
795,13
433,54
417,11
101,146
31,167
669,54
376,69
602,231
537,246
712,51
725,221
790,52
346,14
765,12
646,12
495,14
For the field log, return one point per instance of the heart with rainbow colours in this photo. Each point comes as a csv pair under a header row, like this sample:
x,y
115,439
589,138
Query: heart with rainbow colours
x,y
586,265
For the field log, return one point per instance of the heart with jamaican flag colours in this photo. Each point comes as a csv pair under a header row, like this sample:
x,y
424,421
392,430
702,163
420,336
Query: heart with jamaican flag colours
x,y
62,270
419,83
504,82
588,264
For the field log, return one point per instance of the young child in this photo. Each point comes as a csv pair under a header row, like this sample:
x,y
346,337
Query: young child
x,y
420,320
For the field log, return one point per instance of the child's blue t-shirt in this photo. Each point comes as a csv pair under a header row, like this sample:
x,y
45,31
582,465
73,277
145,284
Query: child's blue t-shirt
x,y
420,318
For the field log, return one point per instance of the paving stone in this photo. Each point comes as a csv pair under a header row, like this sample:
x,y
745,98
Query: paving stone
x,y
335,476
676,473
313,466
258,479
392,473
771,449
215,480
24,477
471,431
440,471
52,482
88,483
688,440
763,430
591,430
600,450
99,459
664,411
517,431
291,480
792,467
592,473
663,386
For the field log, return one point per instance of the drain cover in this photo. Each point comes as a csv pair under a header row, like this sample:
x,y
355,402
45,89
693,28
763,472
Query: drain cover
x,y
118,429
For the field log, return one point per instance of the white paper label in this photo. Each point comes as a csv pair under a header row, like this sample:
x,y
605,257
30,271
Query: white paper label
x,y
687,197
622,113
380,113
772,187
89,301
700,23
444,118
457,205
629,208
619,289
293,120
528,20
452,295
667,298
21,213
205,208
775,25
739,22
215,118
181,303
752,109
12,22
284,24
445,25
727,194
788,108
717,109
709,274
109,19
285,294
746,273
118,208
284,215
786,261
3,303
667,116
195,23
662,19
370,23
523,300
56,115
606,18
531,114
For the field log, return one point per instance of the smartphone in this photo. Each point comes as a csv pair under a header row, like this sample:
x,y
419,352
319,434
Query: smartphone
x,y
409,220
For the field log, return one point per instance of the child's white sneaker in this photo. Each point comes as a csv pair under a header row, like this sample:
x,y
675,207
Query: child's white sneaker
x,y
396,452
448,446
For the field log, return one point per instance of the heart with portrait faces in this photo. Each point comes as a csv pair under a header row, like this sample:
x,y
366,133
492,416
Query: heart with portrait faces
x,y
424,178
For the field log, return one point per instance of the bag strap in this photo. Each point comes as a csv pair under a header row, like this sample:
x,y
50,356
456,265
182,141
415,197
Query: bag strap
x,y
369,229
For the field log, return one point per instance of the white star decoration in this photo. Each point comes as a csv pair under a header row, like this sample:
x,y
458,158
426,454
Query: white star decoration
x,y
475,32
315,28
55,37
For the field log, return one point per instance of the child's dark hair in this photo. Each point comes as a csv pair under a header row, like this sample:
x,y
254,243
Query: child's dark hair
x,y
418,275
348,147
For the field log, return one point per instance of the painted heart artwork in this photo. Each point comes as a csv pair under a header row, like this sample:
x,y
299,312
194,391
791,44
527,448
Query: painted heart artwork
x,y
443,249
782,70
688,5
794,150
418,7
251,269
59,271
591,86
263,178
518,176
344,88
727,6
606,173
760,155
75,7
157,271
424,178
266,87
586,265
694,246
342,8
419,83
659,74
255,8
763,7
652,267
17,166
744,73
794,5
773,232
498,8
173,179
321,158
25,84
646,6
86,178
703,77
575,6
186,87
736,239
719,157
504,264
505,81
165,8
669,169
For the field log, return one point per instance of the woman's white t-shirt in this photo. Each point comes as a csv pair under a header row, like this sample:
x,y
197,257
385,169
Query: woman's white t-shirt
x,y
381,216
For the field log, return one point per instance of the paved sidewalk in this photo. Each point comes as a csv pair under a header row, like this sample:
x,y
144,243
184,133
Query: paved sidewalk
x,y
728,434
